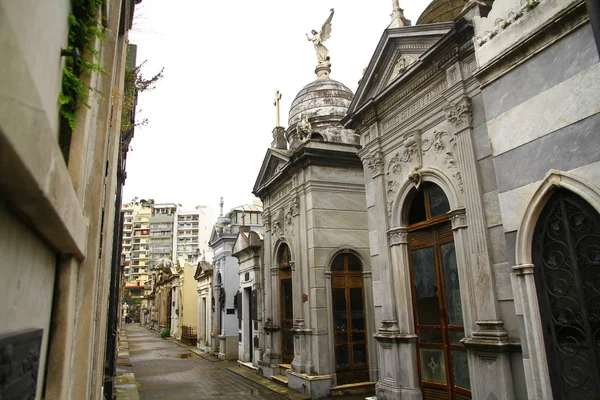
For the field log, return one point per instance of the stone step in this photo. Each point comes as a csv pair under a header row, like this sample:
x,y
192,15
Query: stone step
x,y
280,378
247,365
285,368
353,388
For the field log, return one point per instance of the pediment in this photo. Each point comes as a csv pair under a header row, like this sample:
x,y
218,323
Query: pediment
x,y
241,243
399,52
272,165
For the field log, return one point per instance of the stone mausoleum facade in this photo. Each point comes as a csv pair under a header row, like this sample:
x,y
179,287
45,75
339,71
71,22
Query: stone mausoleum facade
x,y
437,232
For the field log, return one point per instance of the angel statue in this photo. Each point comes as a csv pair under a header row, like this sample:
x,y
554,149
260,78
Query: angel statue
x,y
319,38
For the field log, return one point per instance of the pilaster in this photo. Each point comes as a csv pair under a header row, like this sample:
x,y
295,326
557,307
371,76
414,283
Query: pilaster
x,y
488,346
396,341
535,363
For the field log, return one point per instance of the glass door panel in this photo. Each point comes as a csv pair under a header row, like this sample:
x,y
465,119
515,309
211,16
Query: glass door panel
x,y
287,321
425,287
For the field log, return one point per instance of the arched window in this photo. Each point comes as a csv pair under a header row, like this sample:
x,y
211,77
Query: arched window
x,y
566,258
317,136
349,324
437,308
286,303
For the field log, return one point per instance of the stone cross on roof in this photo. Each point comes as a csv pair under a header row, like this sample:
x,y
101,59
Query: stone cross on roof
x,y
276,104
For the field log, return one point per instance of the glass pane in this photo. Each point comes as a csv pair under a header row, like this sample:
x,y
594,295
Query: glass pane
x,y
354,263
430,336
438,201
456,337
286,288
341,338
284,255
339,310
289,341
338,264
416,211
426,291
287,323
433,366
341,357
461,369
358,337
356,307
359,355
452,285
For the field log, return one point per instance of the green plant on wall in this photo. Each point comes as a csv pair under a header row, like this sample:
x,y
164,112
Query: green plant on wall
x,y
135,83
84,29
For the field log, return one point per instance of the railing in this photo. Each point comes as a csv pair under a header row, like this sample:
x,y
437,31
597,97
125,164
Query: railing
x,y
188,334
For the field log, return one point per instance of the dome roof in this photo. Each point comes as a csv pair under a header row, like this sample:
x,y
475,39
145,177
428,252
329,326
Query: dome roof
x,y
441,11
321,98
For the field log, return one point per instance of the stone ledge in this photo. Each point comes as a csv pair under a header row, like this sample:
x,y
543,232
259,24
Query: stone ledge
x,y
35,180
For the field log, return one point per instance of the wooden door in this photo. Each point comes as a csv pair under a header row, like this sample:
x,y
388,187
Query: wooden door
x,y
349,323
437,308
286,305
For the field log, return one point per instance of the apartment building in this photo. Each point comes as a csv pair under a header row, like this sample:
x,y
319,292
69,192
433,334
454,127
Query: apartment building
x,y
162,223
193,233
140,246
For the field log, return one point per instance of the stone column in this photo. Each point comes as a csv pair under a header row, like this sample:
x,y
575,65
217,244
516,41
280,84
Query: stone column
x,y
399,377
396,347
378,240
489,362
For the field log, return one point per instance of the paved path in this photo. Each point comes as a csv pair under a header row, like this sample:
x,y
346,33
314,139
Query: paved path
x,y
167,371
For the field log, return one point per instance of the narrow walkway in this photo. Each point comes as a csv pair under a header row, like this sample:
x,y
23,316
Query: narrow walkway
x,y
168,371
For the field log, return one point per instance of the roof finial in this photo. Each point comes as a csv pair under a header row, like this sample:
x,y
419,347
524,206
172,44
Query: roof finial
x,y
398,19
221,205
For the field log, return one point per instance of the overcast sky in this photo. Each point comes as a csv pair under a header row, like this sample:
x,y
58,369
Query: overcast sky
x,y
211,116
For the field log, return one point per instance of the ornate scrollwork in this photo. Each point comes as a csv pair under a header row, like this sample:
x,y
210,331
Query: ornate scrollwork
x,y
436,142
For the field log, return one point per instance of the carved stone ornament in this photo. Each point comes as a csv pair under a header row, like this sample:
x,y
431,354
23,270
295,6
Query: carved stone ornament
x,y
266,218
459,113
458,218
277,225
397,236
375,163
274,271
415,147
402,63
295,207
289,223
304,127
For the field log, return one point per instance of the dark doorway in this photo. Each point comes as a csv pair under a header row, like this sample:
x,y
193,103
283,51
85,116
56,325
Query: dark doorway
x,y
286,304
566,256
441,357
248,317
349,323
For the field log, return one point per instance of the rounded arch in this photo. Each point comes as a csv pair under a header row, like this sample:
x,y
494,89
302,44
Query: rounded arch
x,y
432,175
553,180
347,250
281,241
